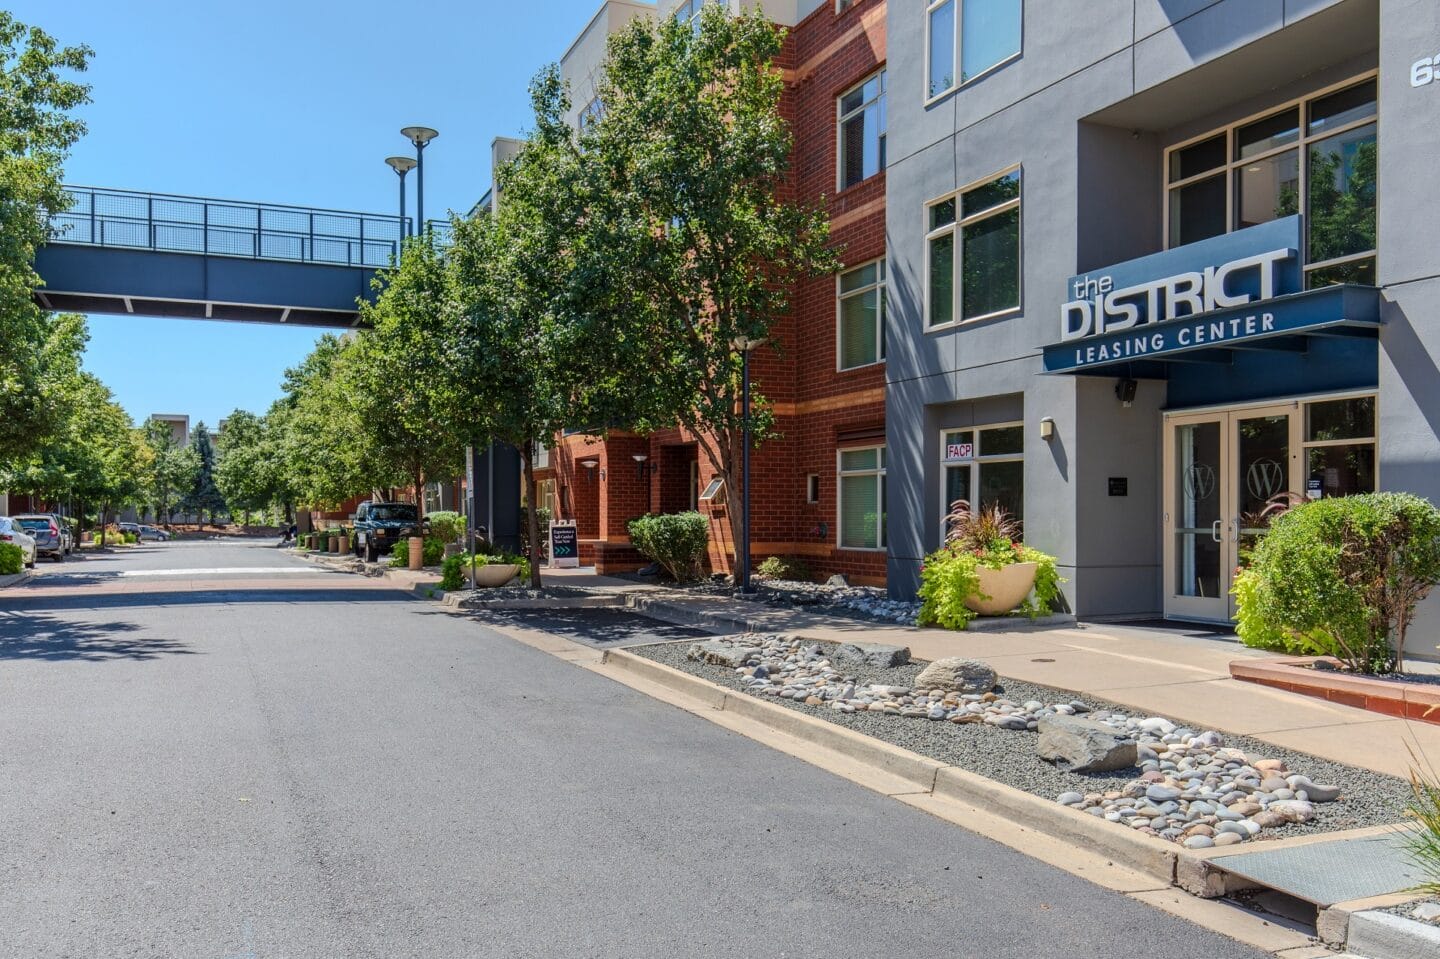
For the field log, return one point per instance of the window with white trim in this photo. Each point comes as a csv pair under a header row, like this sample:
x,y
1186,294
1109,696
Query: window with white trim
x,y
1317,155
974,237
592,113
690,9
860,498
976,35
984,466
542,457
861,130
860,315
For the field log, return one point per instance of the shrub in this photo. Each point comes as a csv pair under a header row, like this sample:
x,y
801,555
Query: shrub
x,y
677,541
454,570
12,559
985,538
431,553
785,567
447,526
1341,577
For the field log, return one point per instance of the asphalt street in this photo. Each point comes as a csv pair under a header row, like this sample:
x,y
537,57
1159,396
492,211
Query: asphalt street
x,y
216,750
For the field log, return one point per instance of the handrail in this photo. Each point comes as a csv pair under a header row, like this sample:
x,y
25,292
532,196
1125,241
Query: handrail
x,y
171,223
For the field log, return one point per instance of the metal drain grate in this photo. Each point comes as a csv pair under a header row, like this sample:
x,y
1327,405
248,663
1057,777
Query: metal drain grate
x,y
1329,872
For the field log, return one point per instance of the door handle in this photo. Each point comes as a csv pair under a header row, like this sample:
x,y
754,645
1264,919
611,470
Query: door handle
x,y
1215,532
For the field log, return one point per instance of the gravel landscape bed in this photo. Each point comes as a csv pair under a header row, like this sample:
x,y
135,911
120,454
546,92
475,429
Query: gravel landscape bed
x,y
1009,755
1421,910
869,603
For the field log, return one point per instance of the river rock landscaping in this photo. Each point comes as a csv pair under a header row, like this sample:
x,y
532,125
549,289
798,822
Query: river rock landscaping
x,y
1194,787
857,602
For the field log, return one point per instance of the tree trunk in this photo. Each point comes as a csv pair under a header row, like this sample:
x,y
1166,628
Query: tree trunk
x,y
419,477
532,517
104,512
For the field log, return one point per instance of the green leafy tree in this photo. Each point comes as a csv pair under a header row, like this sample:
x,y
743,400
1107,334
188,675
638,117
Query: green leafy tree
x,y
204,497
37,131
395,378
535,342
318,434
246,470
111,456
47,470
172,468
689,214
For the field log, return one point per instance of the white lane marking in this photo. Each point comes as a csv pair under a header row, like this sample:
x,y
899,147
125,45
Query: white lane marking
x,y
217,571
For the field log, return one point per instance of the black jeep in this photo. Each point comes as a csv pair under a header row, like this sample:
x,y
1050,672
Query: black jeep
x,y
379,526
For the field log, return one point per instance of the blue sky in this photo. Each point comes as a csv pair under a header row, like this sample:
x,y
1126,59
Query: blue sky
x,y
292,102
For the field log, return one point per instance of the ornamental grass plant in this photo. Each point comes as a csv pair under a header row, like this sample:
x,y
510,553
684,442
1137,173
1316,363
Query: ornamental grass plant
x,y
986,538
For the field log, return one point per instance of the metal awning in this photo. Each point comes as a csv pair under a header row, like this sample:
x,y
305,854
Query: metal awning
x,y
1285,324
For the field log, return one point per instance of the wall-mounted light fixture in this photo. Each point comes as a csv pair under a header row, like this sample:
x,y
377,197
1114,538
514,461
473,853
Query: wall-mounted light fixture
x,y
1125,391
640,467
1047,428
590,467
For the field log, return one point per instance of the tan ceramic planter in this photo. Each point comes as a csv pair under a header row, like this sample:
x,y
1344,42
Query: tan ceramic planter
x,y
1006,588
495,574
417,552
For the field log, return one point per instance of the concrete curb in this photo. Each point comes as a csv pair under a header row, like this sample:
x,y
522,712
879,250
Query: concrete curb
x,y
680,615
16,579
1381,935
1151,857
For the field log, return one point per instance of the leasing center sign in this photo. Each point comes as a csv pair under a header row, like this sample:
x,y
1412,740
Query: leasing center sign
x,y
1203,294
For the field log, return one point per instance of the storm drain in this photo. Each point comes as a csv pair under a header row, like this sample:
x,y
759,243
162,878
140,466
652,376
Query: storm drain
x,y
1325,873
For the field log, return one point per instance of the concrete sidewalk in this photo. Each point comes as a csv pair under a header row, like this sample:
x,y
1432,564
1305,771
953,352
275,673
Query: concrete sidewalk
x,y
1184,677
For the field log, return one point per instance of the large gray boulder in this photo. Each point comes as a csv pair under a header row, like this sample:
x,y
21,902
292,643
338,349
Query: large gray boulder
x,y
874,655
956,675
1084,746
718,653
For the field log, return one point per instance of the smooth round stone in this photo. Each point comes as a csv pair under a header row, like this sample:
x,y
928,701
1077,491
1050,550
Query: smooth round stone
x,y
1070,799
1096,811
1228,814
1234,828
1199,842
1283,794
1228,839
1198,808
1250,826
1113,816
1161,793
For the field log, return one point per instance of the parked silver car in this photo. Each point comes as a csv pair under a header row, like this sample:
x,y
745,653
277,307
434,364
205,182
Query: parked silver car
x,y
154,533
12,532
52,536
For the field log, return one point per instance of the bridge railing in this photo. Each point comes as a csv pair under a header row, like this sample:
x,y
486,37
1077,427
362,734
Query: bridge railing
x,y
180,224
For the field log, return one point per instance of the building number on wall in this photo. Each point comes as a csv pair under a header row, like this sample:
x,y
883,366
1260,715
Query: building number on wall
x,y
1425,70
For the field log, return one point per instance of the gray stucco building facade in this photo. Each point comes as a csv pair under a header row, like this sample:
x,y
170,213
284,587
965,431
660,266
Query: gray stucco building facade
x,y
1114,230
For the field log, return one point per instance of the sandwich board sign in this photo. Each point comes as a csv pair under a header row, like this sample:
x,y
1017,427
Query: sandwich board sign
x,y
564,545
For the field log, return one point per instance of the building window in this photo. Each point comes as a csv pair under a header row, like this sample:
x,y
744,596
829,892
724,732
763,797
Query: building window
x,y
861,315
1340,447
542,456
690,9
592,113
812,488
862,131
1316,156
985,466
974,236
861,498
842,5
978,35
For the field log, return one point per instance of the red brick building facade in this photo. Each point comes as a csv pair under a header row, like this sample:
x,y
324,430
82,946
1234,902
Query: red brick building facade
x,y
821,410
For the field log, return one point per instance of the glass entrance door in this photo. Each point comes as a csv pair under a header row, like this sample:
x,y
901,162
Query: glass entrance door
x,y
1221,470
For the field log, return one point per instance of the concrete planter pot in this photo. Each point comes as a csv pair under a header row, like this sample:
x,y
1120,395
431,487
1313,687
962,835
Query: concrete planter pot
x,y
334,544
495,574
1006,588
417,553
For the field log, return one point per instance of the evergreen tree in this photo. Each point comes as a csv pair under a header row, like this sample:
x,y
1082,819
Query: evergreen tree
x,y
204,497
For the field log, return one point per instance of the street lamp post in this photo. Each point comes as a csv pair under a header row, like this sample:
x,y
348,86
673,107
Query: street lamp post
x,y
420,136
401,166
745,345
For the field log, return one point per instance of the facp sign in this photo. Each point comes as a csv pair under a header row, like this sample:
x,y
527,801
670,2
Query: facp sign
x,y
1223,272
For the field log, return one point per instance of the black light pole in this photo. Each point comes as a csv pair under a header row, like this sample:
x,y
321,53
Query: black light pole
x,y
401,166
745,345
419,136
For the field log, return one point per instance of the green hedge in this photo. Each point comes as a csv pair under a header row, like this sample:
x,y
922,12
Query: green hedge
x,y
1341,577
446,525
677,541
432,553
12,559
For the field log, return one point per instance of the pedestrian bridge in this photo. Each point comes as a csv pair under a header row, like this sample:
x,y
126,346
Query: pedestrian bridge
x,y
119,251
